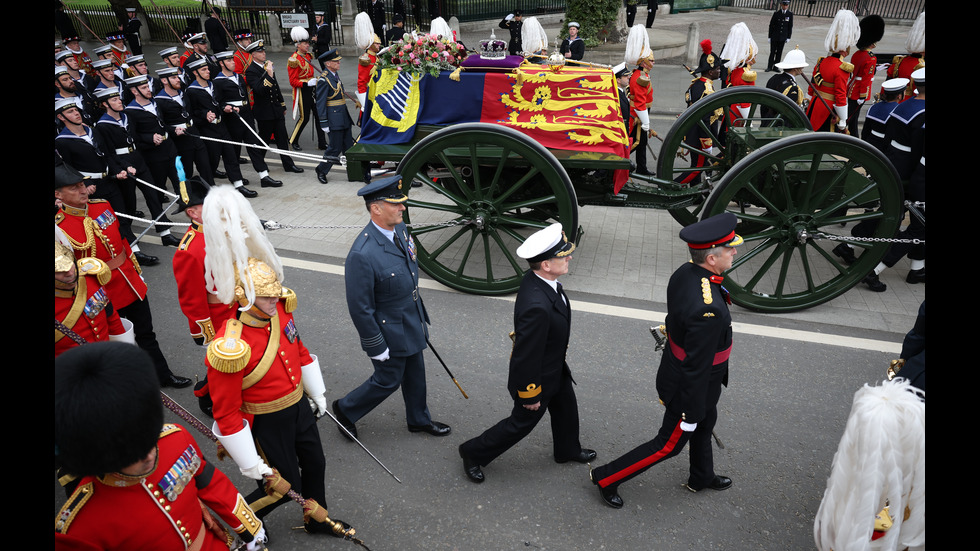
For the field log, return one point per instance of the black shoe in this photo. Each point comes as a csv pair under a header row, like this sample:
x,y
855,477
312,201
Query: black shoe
x,y
247,193
244,181
416,183
176,381
435,428
296,147
471,468
242,161
916,276
169,240
139,214
322,147
719,483
269,181
321,177
609,495
219,174
845,253
583,456
146,259
874,283
294,168
343,421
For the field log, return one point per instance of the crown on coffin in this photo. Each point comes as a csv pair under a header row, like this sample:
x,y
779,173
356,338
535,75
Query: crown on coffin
x,y
493,48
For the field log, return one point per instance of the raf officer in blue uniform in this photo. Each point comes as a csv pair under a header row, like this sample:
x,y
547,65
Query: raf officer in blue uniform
x,y
382,281
335,119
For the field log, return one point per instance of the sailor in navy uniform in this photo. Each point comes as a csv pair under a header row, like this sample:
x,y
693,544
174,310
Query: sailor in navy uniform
x,y
382,282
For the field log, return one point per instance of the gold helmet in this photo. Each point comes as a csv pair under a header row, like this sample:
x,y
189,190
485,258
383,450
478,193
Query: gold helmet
x,y
263,280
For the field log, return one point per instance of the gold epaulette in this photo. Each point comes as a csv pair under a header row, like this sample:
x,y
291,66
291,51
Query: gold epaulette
x,y
919,65
71,507
706,290
364,60
749,75
846,67
643,80
293,61
98,201
94,267
290,297
59,216
168,429
185,241
229,354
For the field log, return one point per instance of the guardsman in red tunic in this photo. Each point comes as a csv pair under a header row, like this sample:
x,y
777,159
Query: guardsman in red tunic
x,y
198,300
739,51
81,303
828,95
366,40
93,230
865,64
302,77
902,66
243,37
119,50
144,484
638,53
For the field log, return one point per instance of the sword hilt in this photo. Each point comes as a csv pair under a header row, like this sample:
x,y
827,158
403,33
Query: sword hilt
x,y
657,333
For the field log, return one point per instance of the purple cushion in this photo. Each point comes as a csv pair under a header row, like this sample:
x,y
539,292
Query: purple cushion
x,y
475,62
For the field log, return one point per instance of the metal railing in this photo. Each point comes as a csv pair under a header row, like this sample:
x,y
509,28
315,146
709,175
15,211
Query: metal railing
x,y
906,10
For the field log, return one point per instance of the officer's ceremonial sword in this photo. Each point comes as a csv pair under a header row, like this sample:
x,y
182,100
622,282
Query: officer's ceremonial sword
x,y
444,366
658,333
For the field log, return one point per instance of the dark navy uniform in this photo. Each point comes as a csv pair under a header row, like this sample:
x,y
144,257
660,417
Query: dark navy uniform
x,y
780,30
905,132
873,131
514,26
269,109
331,107
786,85
200,101
231,90
189,145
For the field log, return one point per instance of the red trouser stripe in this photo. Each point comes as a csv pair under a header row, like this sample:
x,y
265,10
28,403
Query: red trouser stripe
x,y
647,461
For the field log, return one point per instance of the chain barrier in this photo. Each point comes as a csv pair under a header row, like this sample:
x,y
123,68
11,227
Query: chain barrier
x,y
273,225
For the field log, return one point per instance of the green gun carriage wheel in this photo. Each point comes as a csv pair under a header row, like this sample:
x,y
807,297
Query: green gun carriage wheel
x,y
671,166
785,194
499,186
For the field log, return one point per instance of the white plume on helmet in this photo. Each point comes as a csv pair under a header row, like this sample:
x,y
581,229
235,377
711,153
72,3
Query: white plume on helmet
x,y
881,457
363,31
916,41
439,26
299,34
844,32
533,36
234,233
740,47
637,45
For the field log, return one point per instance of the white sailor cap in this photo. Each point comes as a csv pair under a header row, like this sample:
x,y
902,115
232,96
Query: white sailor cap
x,y
919,76
545,244
167,52
574,24
895,84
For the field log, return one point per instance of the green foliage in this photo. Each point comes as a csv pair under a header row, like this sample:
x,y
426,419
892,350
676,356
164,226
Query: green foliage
x,y
593,15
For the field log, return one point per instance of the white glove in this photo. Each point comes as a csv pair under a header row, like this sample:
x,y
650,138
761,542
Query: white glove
x,y
128,335
313,384
382,356
311,82
241,448
688,427
362,98
509,17
319,405
841,111
258,542
644,119
325,130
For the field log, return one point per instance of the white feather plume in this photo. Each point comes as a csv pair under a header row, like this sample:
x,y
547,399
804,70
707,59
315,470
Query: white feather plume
x,y
916,41
637,45
740,47
363,31
844,32
533,36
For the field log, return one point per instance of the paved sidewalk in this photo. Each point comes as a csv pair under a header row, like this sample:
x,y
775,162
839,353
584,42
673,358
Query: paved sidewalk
x,y
626,252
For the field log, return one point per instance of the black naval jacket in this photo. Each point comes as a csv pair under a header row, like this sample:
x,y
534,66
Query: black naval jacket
x,y
118,143
143,124
699,327
84,154
269,104
542,325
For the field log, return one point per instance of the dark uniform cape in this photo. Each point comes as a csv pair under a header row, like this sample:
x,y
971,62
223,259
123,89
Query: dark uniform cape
x,y
232,90
692,371
159,511
269,109
331,108
577,47
87,311
785,84
383,300
697,137
780,30
538,373
905,132
216,35
873,131
514,26
131,30
204,312
200,101
268,391
190,147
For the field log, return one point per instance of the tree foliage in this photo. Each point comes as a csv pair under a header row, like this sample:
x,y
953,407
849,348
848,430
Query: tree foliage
x,y
597,17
